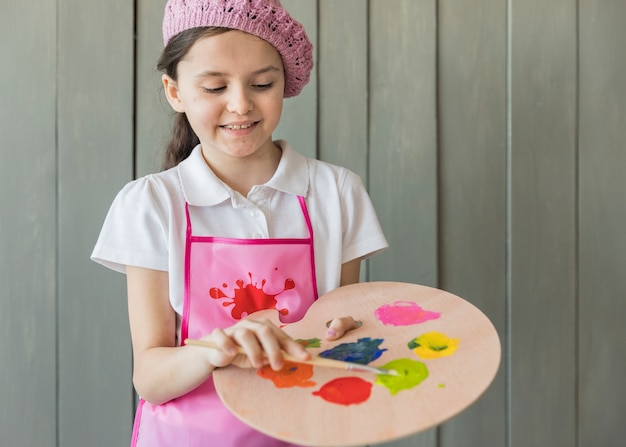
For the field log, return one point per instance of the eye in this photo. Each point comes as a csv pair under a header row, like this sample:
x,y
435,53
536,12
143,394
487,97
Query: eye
x,y
264,86
214,90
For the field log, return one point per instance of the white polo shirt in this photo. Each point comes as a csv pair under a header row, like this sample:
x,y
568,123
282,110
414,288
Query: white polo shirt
x,y
146,224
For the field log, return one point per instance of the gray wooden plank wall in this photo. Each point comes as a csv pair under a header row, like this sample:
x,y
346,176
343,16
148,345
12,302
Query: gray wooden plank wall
x,y
490,134
472,101
94,158
542,228
601,248
28,226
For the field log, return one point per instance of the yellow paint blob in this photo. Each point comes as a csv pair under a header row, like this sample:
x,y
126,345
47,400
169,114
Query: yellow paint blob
x,y
433,345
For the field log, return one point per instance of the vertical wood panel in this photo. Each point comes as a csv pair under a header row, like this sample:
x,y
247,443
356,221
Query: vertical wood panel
x,y
66,132
28,224
472,157
543,226
602,358
343,85
298,123
153,122
403,144
95,104
403,137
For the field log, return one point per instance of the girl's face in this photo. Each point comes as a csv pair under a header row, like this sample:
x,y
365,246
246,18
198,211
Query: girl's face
x,y
231,87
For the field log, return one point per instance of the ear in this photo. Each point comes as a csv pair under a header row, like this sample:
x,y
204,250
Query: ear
x,y
170,86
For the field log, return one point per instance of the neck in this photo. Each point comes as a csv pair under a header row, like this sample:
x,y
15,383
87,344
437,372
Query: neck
x,y
241,174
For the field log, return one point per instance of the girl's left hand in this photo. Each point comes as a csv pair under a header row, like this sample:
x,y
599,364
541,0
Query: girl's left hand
x,y
337,327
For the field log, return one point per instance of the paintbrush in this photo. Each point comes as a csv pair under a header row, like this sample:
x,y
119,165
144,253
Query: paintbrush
x,y
315,361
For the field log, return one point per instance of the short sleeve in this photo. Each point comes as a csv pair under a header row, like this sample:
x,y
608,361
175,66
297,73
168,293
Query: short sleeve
x,y
362,234
135,230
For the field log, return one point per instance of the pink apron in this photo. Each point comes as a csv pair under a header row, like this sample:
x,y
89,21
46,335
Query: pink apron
x,y
225,280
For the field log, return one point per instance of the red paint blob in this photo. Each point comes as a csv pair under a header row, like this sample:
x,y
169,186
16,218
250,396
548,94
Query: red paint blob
x,y
345,391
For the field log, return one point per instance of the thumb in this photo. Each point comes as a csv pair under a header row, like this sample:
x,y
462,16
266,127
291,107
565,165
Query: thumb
x,y
337,327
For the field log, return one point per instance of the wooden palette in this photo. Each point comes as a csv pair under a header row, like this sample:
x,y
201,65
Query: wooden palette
x,y
455,378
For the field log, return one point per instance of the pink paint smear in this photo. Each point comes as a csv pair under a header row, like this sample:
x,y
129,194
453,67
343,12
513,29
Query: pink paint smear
x,y
404,313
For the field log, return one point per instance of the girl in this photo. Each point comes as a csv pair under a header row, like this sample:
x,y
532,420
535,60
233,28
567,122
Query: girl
x,y
235,224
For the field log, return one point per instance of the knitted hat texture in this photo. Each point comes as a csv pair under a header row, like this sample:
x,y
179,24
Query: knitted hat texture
x,y
266,19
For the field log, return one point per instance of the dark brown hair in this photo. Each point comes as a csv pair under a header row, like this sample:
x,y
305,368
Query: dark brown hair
x,y
184,139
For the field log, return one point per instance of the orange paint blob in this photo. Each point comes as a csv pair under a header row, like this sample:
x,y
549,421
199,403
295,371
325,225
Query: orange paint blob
x,y
345,391
291,375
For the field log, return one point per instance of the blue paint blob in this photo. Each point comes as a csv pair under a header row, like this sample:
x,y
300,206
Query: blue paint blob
x,y
364,351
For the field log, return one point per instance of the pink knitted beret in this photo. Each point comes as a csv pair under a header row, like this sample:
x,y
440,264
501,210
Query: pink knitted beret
x,y
266,19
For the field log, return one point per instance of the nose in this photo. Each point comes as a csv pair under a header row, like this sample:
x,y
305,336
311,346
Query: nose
x,y
239,101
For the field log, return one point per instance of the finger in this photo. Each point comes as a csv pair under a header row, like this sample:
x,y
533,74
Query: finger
x,y
226,351
247,339
224,342
339,326
276,343
295,349
263,342
271,339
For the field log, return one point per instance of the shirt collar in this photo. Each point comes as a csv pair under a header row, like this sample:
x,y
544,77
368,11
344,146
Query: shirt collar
x,y
201,187
292,174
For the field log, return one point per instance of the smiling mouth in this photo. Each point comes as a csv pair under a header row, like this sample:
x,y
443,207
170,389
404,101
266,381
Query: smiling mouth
x,y
238,126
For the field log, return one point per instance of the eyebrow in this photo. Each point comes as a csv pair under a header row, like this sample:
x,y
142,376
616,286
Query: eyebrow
x,y
210,73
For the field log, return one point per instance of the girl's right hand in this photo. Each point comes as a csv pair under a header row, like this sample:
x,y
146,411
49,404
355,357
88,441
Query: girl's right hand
x,y
262,341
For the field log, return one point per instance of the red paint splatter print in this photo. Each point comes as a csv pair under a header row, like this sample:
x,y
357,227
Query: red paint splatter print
x,y
249,298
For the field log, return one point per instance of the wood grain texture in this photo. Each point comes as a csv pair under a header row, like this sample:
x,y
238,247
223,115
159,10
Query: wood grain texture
x,y
298,123
403,145
403,137
543,223
343,85
409,94
472,186
153,122
28,224
453,382
602,213
95,146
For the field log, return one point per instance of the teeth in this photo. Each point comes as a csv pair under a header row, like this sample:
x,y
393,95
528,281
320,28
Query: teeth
x,y
239,127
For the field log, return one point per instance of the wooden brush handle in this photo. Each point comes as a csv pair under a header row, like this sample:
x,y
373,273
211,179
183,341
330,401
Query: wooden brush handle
x,y
316,361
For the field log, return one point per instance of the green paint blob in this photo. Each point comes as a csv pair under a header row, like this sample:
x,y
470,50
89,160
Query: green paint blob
x,y
310,342
411,373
